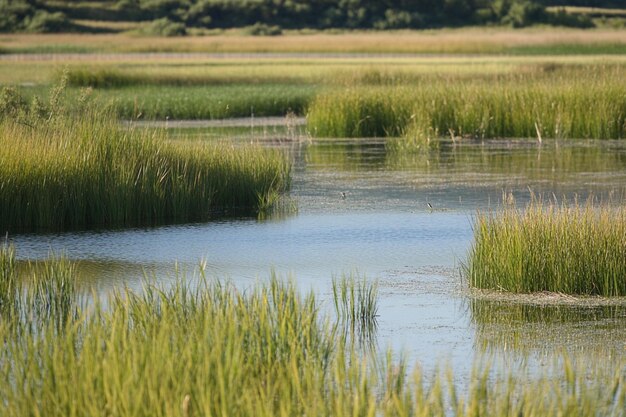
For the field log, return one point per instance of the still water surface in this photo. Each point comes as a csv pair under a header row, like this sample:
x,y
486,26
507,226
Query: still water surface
x,y
382,228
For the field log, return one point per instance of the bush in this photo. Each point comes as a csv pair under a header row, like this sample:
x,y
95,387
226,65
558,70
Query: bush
x,y
13,14
562,18
525,13
261,29
165,27
398,19
46,22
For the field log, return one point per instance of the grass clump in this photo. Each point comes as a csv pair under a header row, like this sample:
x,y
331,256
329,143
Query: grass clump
x,y
356,301
60,171
578,249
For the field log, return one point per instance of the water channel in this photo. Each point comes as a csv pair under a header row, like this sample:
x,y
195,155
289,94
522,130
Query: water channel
x,y
363,209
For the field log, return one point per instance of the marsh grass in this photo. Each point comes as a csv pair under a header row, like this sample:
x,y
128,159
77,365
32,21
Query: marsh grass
x,y
572,249
9,288
567,106
203,347
206,102
356,300
78,172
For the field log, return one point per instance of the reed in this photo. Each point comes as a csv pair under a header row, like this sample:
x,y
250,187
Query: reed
x,y
356,301
205,348
9,288
583,106
78,172
576,249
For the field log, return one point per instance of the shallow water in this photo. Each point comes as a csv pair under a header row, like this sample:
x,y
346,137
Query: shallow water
x,y
382,228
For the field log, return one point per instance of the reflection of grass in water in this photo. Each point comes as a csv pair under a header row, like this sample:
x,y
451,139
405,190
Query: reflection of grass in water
x,y
543,324
553,160
209,349
576,249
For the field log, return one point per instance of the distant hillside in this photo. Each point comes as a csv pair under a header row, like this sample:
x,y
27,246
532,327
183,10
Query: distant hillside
x,y
267,17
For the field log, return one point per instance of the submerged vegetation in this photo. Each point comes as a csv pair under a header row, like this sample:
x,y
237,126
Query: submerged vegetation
x,y
62,170
202,347
572,249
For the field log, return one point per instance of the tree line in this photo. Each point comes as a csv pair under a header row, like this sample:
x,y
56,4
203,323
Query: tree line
x,y
177,15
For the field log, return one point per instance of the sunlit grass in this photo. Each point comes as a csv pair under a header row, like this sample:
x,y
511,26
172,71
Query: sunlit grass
x,y
90,172
572,249
204,347
206,102
589,105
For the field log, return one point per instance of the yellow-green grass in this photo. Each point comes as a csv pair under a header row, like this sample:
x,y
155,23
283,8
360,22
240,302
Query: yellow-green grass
x,y
86,171
576,249
589,105
212,350
467,40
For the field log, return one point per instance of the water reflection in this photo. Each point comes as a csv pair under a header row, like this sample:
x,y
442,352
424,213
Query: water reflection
x,y
528,327
468,174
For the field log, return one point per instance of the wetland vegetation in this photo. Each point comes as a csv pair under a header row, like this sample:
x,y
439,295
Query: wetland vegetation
x,y
192,344
580,104
61,170
571,249
209,349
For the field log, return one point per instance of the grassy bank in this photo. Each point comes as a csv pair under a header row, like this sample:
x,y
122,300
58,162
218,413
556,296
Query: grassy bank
x,y
583,105
209,349
76,172
575,249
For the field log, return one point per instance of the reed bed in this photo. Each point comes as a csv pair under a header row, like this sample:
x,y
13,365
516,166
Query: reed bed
x,y
202,347
78,172
584,106
576,249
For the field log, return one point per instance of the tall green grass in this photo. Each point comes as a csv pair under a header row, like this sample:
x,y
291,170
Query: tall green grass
x,y
583,106
577,249
86,171
206,102
356,301
209,349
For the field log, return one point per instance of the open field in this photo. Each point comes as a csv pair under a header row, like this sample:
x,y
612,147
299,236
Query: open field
x,y
445,41
209,349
